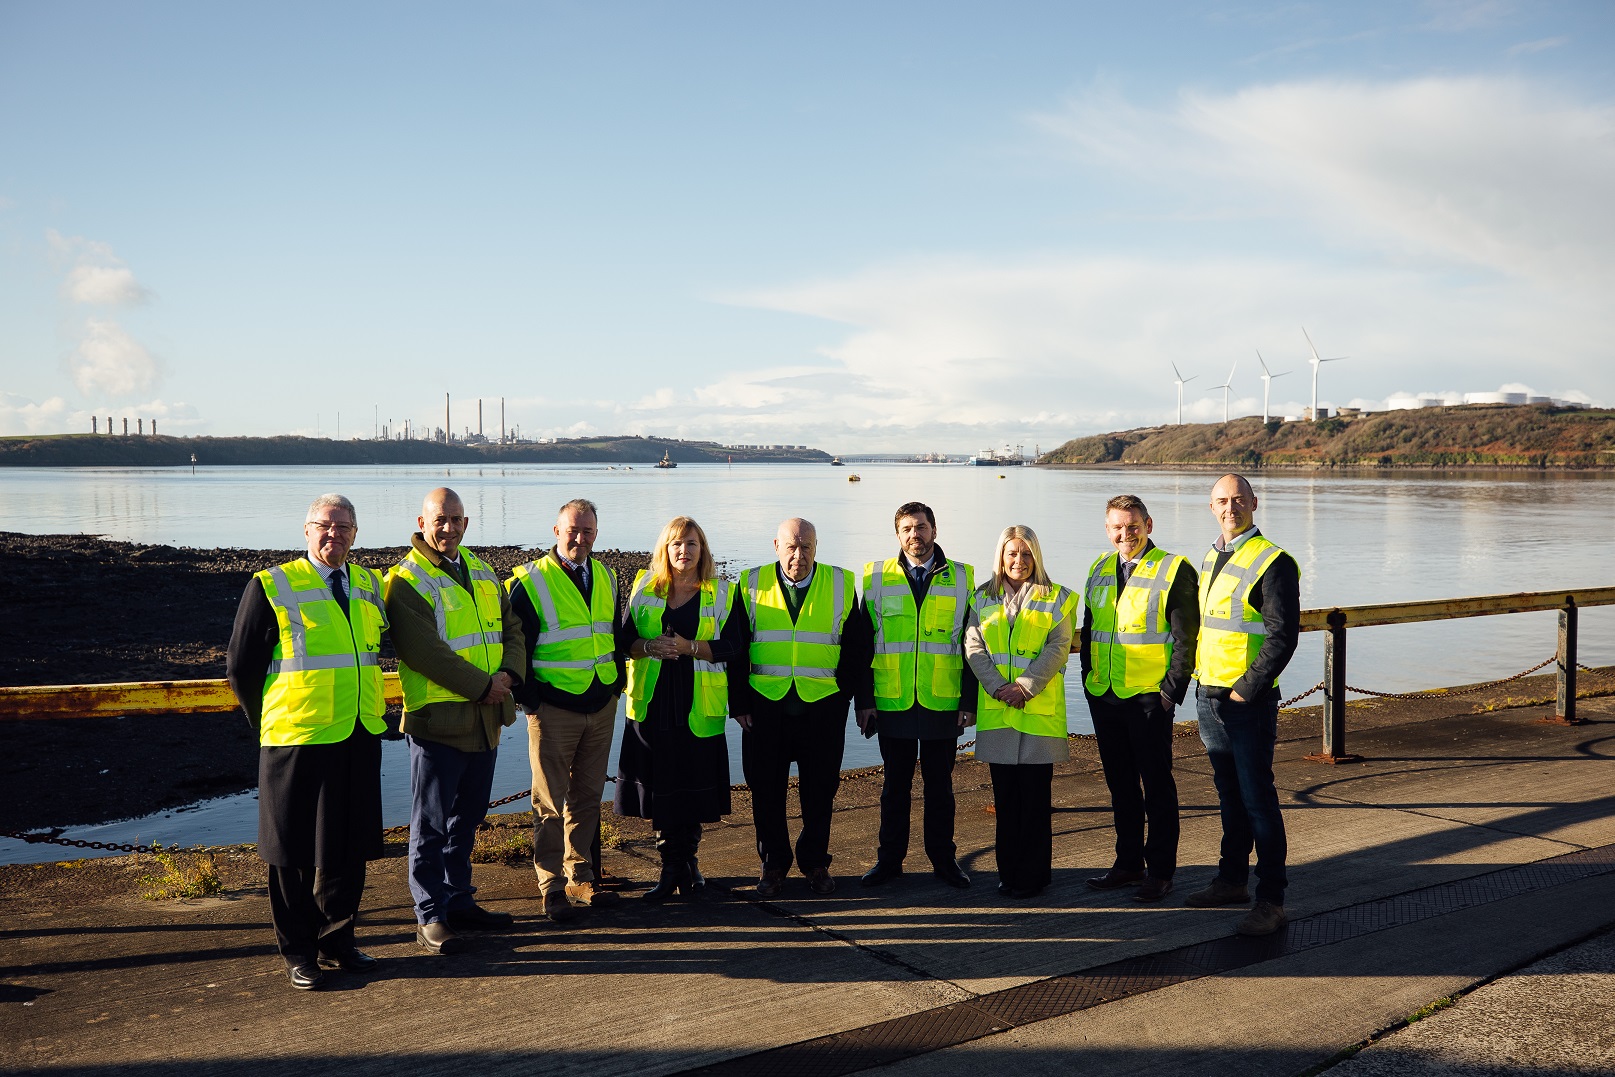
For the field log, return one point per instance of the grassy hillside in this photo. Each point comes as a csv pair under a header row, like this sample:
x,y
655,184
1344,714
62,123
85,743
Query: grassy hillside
x,y
110,450
1535,436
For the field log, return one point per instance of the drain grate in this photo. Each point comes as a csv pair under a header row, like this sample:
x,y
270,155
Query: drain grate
x,y
946,1026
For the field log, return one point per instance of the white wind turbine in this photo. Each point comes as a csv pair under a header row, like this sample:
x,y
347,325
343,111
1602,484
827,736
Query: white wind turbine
x,y
1180,382
1267,382
1316,363
1226,387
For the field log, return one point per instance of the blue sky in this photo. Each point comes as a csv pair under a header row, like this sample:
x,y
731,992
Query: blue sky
x,y
862,227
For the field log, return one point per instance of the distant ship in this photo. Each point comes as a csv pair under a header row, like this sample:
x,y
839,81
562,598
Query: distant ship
x,y
666,460
835,461
1000,457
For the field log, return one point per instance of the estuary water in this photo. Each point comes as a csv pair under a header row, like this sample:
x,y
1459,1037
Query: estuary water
x,y
1359,538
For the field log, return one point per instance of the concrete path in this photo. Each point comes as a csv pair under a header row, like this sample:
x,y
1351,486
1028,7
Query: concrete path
x,y
1407,887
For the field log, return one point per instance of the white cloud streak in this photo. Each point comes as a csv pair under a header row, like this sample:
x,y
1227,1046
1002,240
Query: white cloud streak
x,y
109,362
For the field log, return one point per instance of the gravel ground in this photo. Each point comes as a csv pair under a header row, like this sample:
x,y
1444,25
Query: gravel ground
x,y
98,612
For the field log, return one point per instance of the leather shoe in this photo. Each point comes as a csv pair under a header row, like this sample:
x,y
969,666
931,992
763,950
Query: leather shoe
x,y
436,938
589,894
558,909
305,977
1217,893
355,960
476,918
951,873
1263,919
820,882
1153,889
769,882
1115,879
882,872
1005,889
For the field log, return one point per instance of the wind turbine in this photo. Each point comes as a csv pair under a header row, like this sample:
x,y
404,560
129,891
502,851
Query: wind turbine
x,y
1226,387
1316,363
1180,383
1267,382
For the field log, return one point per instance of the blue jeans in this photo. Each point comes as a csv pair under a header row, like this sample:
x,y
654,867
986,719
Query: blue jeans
x,y
1239,741
449,793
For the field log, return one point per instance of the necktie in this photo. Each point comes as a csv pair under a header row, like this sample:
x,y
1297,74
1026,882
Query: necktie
x,y
918,572
1125,575
339,589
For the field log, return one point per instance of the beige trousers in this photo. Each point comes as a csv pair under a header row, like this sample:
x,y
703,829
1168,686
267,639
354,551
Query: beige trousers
x,y
569,753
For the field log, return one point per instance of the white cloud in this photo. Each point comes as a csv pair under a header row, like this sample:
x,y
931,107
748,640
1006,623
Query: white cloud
x,y
108,361
20,415
96,276
1525,48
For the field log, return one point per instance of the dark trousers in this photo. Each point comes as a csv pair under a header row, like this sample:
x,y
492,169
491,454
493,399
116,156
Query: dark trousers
x,y
1239,740
1135,748
1023,803
314,910
678,844
815,743
449,799
936,758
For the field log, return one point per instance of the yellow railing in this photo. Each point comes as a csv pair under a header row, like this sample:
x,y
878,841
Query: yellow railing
x,y
134,697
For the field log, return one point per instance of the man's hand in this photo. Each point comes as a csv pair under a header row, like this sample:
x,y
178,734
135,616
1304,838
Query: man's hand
x,y
967,718
1235,696
867,718
498,689
744,720
1012,695
1167,704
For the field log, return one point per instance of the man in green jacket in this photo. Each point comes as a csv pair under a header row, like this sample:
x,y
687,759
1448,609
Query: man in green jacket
x,y
460,651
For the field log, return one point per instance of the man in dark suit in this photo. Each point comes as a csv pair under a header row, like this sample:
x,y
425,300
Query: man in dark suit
x,y
917,693
305,664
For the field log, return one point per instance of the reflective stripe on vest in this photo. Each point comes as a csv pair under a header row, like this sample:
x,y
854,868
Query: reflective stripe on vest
x,y
1231,629
919,653
469,622
1130,638
709,701
325,669
803,653
575,642
1013,648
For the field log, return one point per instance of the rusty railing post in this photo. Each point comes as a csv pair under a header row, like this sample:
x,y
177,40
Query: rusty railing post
x,y
1334,695
1564,703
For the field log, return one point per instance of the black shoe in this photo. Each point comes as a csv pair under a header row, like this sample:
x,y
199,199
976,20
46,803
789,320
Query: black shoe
x,y
882,872
951,873
436,938
305,977
355,960
476,918
1115,879
1005,889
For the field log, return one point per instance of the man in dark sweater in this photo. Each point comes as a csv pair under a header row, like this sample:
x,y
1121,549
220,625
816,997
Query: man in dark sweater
x,y
1250,621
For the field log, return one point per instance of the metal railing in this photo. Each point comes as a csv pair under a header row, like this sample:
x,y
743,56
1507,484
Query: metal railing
x,y
1337,620
214,696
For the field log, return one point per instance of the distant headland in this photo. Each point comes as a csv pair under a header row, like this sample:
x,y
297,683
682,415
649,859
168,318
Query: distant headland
x,y
1537,436
116,450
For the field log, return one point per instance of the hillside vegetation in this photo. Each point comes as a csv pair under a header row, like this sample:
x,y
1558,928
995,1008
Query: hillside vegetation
x,y
1535,436
113,450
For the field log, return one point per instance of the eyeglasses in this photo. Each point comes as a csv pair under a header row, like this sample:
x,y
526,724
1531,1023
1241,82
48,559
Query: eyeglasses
x,y
328,527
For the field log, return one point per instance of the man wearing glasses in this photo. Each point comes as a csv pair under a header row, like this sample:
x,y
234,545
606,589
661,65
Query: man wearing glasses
x,y
1250,620
305,664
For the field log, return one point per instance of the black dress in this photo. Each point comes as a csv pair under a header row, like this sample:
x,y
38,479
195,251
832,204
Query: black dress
x,y
665,772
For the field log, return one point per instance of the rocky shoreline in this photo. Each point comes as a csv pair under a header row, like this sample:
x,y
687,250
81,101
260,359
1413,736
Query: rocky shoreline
x,y
87,610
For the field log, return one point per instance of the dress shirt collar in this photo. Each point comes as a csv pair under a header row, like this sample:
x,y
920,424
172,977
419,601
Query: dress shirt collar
x,y
798,584
1237,541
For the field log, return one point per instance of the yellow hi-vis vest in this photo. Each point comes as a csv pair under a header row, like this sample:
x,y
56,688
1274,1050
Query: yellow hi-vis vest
x,y
1130,639
1013,648
709,703
325,670
575,643
470,623
804,653
1231,632
919,653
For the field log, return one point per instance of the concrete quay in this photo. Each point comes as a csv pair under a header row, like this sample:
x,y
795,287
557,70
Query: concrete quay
x,y
1464,848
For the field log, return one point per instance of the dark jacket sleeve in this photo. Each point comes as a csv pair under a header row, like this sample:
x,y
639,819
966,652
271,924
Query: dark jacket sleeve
x,y
514,658
857,653
252,645
1183,613
413,628
863,691
527,690
1278,595
620,654
733,648
1085,640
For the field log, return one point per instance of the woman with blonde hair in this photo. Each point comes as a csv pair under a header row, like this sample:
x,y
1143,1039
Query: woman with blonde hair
x,y
1017,641
687,656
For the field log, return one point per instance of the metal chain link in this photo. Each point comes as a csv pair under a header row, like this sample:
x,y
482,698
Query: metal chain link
x,y
865,775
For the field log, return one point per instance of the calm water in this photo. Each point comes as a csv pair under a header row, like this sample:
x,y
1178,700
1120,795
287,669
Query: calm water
x,y
1358,539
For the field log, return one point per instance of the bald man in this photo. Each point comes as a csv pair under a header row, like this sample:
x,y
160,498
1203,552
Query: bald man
x,y
460,652
1250,621
806,653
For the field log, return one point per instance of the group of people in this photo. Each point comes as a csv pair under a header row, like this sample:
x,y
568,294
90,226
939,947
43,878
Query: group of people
x,y
916,647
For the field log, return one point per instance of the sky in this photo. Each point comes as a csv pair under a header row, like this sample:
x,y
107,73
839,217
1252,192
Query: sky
x,y
882,227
